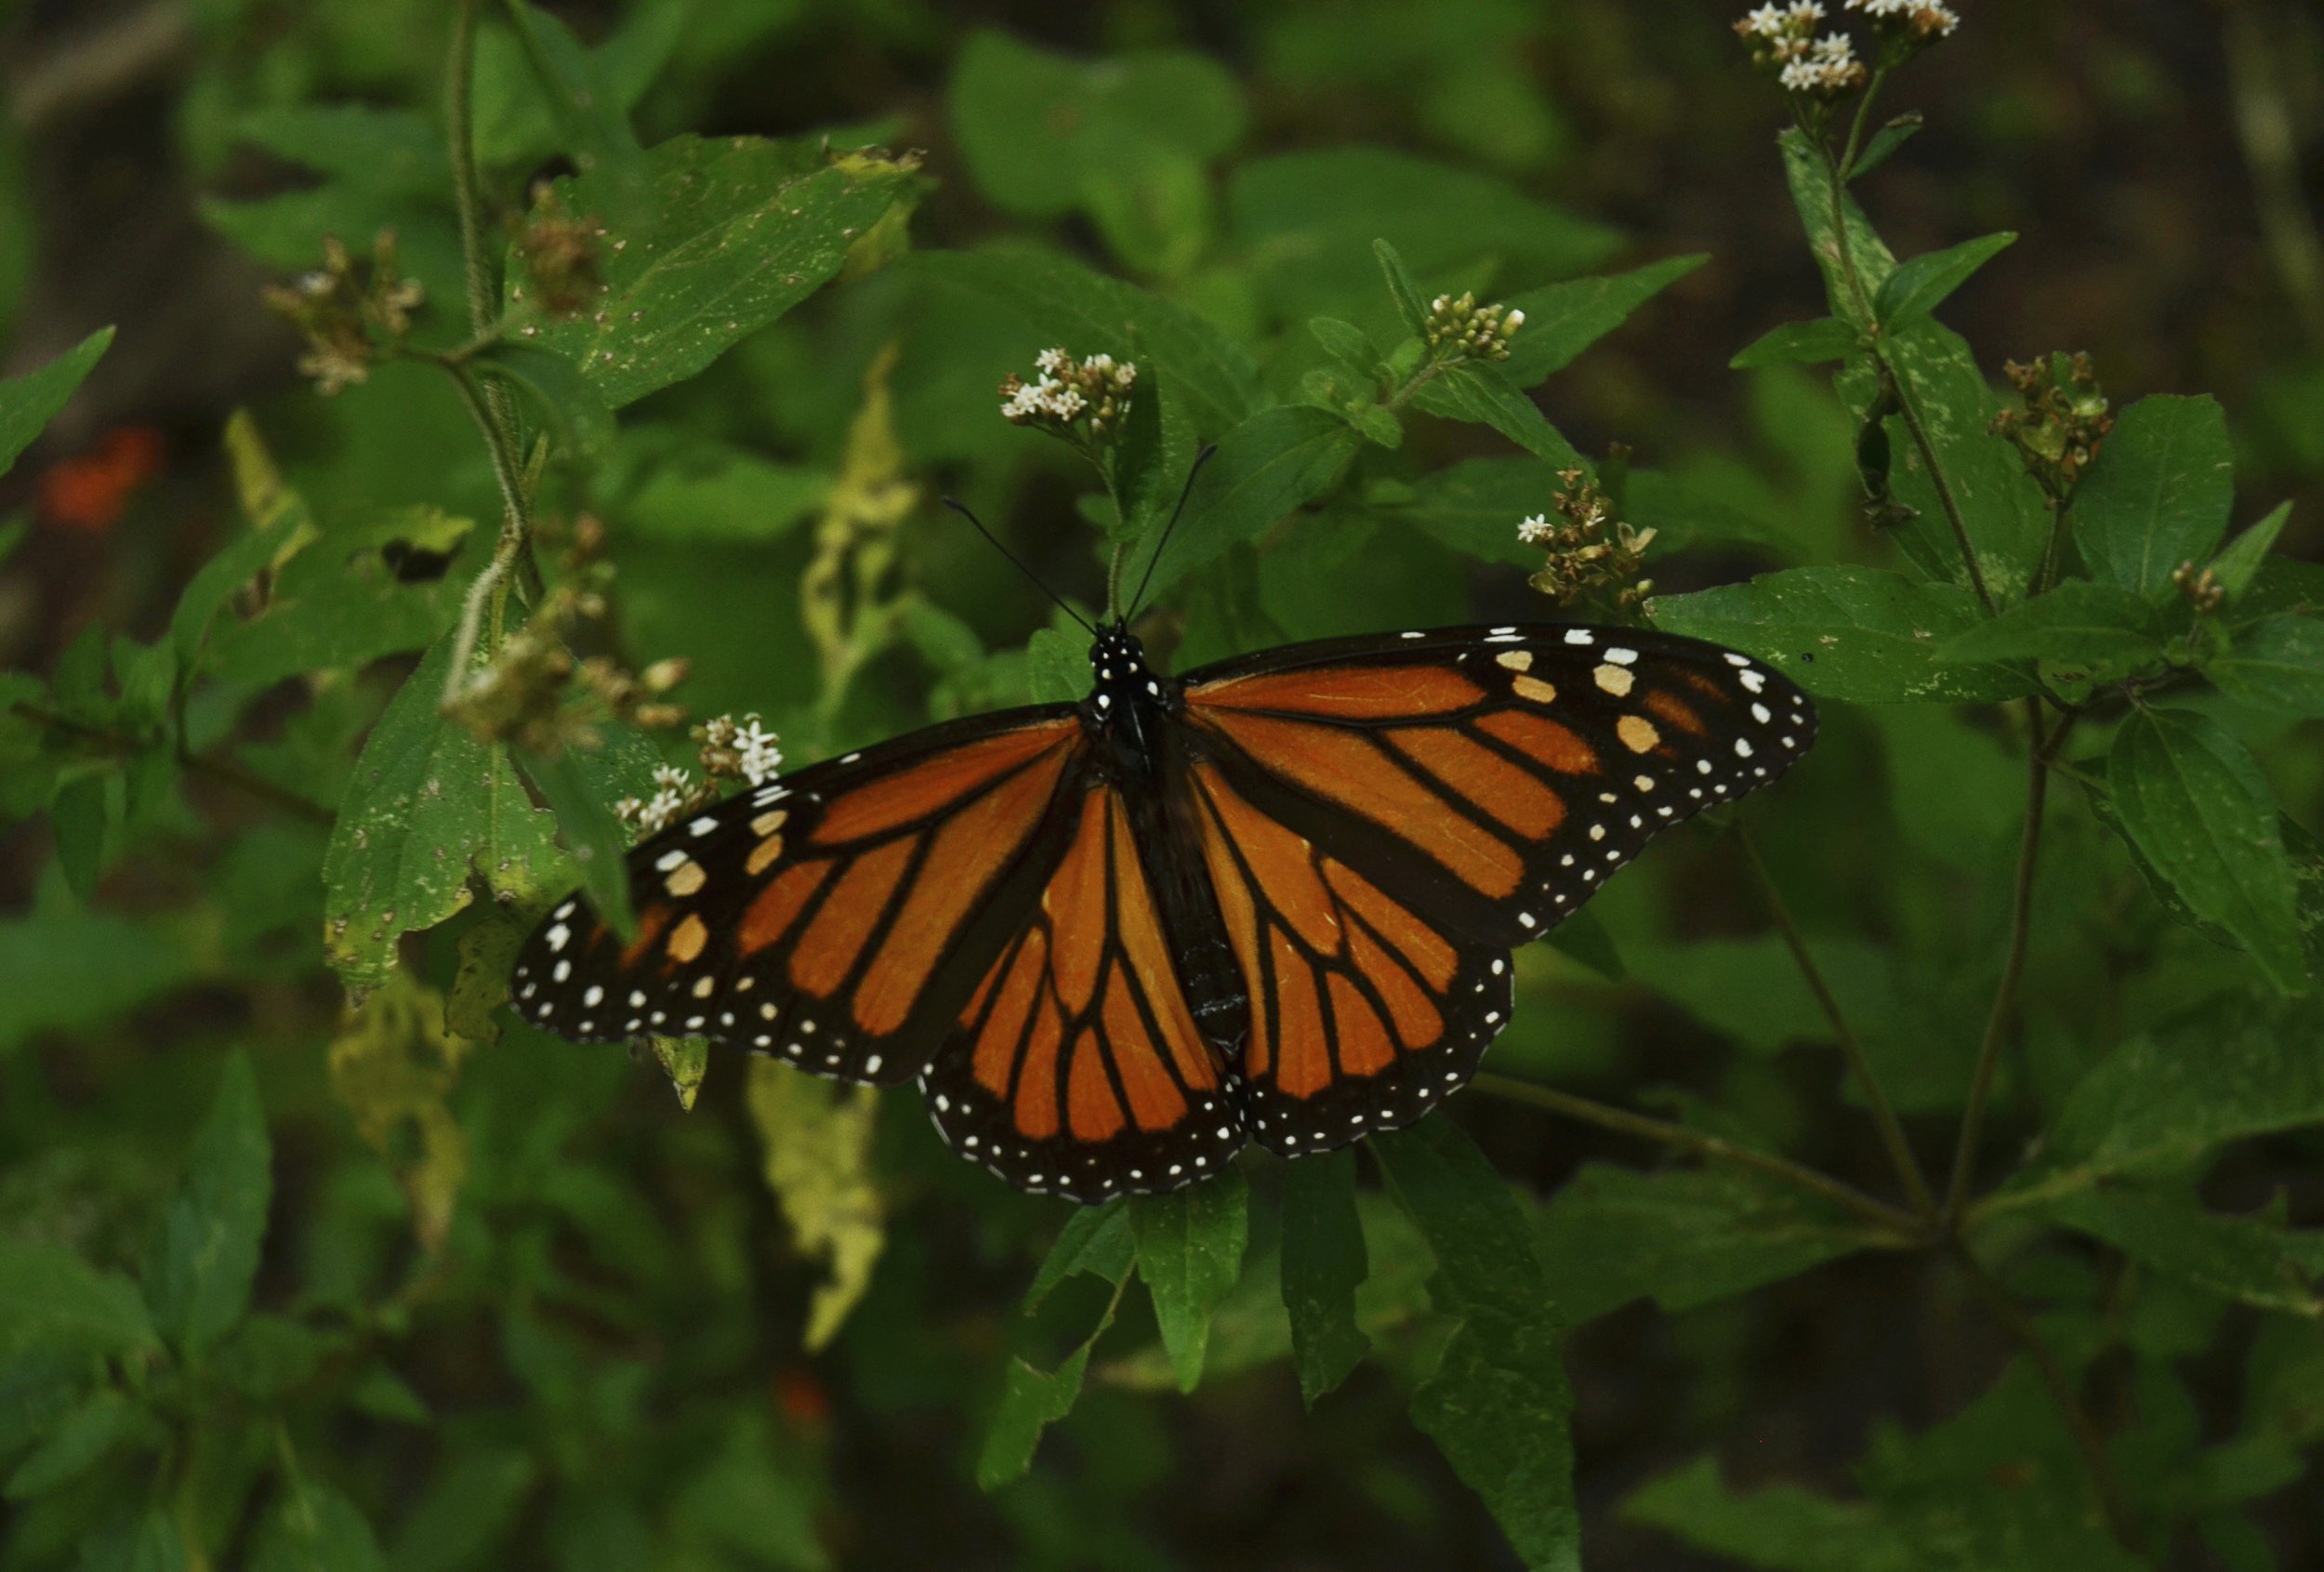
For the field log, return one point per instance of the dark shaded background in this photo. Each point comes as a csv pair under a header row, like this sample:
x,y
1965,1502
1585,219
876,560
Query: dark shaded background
x,y
2162,160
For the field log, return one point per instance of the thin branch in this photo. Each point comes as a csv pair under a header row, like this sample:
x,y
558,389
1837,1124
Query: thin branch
x,y
2039,757
1900,1153
224,771
460,116
1905,1228
2020,1326
515,547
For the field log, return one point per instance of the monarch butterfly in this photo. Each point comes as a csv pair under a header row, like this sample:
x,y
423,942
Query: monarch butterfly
x,y
1270,900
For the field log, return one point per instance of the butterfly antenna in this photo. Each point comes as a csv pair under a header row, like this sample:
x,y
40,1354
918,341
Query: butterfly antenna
x,y
962,508
1160,546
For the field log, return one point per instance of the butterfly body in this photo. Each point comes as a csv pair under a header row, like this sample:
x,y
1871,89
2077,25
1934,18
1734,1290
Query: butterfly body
x,y
1273,899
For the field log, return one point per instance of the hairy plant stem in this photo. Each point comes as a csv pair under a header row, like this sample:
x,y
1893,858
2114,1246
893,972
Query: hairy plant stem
x,y
2104,1485
1904,1228
223,771
512,554
2042,748
1900,1153
460,123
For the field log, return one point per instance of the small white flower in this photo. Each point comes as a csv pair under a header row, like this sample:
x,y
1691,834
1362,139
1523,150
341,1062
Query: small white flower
x,y
1126,376
1835,50
1766,22
758,751
1511,322
671,778
1938,20
1800,76
1881,8
1440,303
1053,361
1061,400
667,805
1808,11
1535,530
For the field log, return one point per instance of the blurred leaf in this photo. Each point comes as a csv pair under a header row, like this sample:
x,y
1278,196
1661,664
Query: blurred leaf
x,y
28,402
1778,1526
50,1298
397,150
149,1541
1918,286
1474,506
1265,467
394,1066
1058,668
314,1528
1190,1253
1562,320
205,1254
1847,633
2276,662
1096,1240
2158,493
429,806
1030,1402
106,1420
2243,1258
1409,305
2157,1102
77,816
575,787
2105,631
70,970
1043,133
1476,391
2193,800
479,984
817,1136
1883,144
686,1061
1496,1406
1800,343
590,111
1323,1266
572,407
1683,1237
1349,346
677,486
738,231
281,527
747,1499
467,1510
2239,561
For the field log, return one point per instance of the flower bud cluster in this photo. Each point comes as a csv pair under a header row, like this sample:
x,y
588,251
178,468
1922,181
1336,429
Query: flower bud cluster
x,y
1461,329
535,693
1591,553
2060,421
345,311
1784,44
2201,587
1085,402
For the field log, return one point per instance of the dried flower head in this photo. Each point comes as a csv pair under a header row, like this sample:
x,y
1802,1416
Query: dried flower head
x,y
1592,555
2060,421
1461,329
559,253
347,311
1085,402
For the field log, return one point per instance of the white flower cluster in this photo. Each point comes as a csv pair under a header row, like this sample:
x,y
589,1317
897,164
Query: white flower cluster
x,y
1461,328
1829,66
1779,21
757,751
1537,530
1925,18
1069,389
673,790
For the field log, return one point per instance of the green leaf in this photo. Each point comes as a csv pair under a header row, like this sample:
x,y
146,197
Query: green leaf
x,y
1562,320
593,834
106,1420
1849,633
1798,343
1812,195
1683,1237
1883,144
148,1541
2241,1258
205,1254
1323,1265
1476,391
2097,629
1190,1253
429,806
2239,561
737,230
2276,662
50,1298
2193,800
2158,495
78,816
590,108
1043,133
1777,1526
1918,287
573,407
69,971
314,1528
28,402
2157,1102
1474,506
1349,346
398,150
1498,1405
1057,668
1409,305
1031,1400
1264,469
1096,1240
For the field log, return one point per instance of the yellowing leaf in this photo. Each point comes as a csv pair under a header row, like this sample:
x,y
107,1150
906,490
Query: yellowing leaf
x,y
818,1137
684,1060
394,1066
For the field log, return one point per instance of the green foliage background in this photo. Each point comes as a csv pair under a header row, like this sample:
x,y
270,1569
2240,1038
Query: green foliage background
x,y
311,1257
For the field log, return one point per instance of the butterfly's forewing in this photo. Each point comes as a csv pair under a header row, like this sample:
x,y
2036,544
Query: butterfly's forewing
x,y
1077,1068
1397,813
837,919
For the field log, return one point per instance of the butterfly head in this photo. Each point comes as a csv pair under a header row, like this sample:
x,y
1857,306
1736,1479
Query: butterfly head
x,y
1127,694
